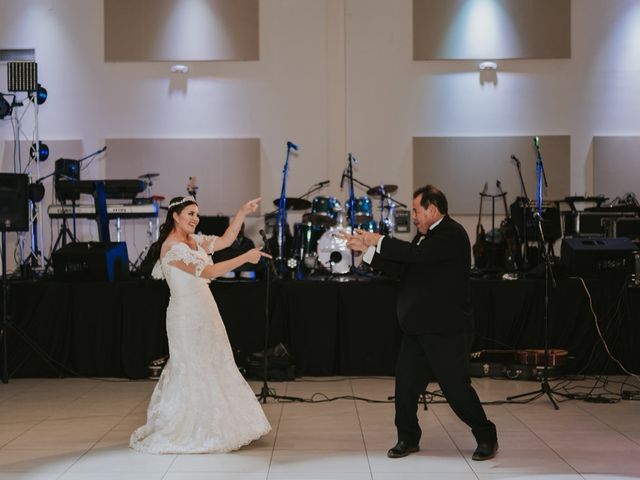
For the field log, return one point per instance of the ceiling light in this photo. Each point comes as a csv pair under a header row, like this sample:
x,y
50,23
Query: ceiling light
x,y
487,65
179,68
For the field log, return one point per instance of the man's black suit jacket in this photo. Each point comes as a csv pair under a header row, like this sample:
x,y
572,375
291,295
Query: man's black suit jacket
x,y
434,295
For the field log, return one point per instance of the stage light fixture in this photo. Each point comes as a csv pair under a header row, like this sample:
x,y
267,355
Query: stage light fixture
x,y
43,151
40,94
5,107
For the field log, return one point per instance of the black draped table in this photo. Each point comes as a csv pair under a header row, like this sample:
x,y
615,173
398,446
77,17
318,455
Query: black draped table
x,y
330,327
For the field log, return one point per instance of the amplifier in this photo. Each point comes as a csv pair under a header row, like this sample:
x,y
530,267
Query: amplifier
x,y
589,257
522,214
99,261
590,224
402,221
511,371
622,227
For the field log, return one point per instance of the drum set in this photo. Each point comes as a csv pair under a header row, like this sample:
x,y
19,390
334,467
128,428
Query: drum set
x,y
316,239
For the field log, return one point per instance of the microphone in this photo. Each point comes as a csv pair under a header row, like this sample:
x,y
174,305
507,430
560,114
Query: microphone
x,y
515,159
536,142
322,184
342,179
292,145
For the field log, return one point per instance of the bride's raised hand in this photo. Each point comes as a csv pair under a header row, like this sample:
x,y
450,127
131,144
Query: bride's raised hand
x,y
251,206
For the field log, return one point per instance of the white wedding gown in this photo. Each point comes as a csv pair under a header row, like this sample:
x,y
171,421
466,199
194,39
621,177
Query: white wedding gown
x,y
201,404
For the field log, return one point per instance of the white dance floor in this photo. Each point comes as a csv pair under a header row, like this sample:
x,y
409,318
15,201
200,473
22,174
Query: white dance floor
x,y
78,429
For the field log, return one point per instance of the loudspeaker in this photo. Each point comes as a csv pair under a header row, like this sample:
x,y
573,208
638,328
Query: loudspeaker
x,y
590,257
213,225
100,261
14,202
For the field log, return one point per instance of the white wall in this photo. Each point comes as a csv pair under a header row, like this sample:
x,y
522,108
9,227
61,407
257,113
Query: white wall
x,y
335,76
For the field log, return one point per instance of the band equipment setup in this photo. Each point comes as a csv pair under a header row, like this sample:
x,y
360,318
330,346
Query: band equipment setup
x,y
598,240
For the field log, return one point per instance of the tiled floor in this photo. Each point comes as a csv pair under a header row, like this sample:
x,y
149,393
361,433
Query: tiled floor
x,y
78,429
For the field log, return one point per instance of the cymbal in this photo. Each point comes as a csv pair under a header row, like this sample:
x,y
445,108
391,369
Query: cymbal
x,y
382,190
157,198
294,203
149,175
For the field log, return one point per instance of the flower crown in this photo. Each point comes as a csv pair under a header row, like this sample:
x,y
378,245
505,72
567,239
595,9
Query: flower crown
x,y
184,200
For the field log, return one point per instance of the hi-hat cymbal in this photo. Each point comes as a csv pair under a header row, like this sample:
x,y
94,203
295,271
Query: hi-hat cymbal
x,y
294,203
382,190
149,175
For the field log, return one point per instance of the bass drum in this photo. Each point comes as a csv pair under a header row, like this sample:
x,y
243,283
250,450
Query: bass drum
x,y
333,253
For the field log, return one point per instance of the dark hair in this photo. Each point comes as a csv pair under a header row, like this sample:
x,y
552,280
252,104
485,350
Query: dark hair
x,y
431,195
165,229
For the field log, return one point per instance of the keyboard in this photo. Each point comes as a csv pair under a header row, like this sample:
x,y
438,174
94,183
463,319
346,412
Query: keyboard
x,y
147,210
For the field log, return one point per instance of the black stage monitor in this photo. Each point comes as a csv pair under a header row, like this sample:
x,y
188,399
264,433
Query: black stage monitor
x,y
595,256
14,202
99,261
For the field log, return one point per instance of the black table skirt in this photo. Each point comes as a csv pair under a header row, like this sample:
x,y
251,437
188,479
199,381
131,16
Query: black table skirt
x,y
330,328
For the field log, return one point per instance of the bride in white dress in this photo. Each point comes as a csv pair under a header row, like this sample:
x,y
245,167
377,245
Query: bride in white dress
x,y
201,403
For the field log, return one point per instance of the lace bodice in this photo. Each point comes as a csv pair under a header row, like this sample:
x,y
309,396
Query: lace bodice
x,y
182,258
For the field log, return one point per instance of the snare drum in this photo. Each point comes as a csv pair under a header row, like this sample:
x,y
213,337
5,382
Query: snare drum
x,y
362,210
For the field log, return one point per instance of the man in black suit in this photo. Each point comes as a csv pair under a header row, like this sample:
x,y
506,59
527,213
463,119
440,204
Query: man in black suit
x,y
434,311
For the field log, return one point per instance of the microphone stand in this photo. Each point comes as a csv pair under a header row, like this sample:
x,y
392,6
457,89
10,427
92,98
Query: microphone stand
x,y
545,388
281,218
265,391
352,202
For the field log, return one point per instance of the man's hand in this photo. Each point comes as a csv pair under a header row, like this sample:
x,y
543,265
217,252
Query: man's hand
x,y
361,240
369,238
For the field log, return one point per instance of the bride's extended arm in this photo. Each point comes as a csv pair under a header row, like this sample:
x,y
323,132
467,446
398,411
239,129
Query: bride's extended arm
x,y
233,229
219,269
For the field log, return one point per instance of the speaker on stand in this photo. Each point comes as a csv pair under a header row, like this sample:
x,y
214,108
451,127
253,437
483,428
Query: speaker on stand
x,y
14,217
